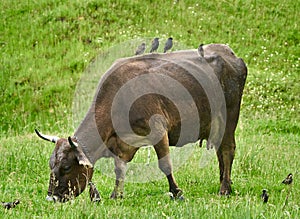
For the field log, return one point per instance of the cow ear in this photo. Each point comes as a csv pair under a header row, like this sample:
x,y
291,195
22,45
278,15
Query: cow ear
x,y
82,159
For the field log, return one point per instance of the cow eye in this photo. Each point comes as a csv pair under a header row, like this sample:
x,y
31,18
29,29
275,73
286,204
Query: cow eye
x,y
66,168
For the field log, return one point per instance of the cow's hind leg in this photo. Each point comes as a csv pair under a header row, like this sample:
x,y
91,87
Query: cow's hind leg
x,y
225,156
165,165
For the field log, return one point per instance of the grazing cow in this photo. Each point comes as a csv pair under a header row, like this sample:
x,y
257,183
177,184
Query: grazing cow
x,y
158,99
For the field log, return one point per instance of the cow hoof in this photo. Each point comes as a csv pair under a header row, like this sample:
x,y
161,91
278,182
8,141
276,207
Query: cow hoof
x,y
181,198
170,194
225,193
96,200
225,189
178,195
116,195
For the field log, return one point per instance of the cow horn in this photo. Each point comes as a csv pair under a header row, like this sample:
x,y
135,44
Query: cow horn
x,y
46,137
73,144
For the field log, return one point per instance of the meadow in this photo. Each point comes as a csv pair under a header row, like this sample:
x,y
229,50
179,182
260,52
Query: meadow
x,y
46,45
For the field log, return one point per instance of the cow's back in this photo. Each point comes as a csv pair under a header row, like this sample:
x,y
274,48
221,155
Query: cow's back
x,y
230,70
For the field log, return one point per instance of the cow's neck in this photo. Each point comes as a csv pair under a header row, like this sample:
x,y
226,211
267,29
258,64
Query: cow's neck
x,y
89,139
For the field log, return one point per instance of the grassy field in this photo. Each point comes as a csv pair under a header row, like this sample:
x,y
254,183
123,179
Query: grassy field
x,y
46,45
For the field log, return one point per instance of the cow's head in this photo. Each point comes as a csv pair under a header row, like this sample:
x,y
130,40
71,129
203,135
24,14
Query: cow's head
x,y
70,169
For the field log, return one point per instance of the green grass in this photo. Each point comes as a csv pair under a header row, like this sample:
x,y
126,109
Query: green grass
x,y
45,47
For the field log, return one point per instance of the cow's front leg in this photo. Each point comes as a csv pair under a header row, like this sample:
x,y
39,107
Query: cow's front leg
x,y
165,165
225,157
120,171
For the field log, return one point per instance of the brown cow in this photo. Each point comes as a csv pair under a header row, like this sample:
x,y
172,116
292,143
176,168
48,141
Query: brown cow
x,y
158,99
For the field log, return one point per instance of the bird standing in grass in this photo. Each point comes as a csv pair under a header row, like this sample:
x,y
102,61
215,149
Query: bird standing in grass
x,y
141,49
264,196
94,194
288,180
200,50
155,44
168,44
9,205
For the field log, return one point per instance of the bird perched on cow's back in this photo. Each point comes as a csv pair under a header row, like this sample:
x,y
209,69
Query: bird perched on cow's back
x,y
9,205
288,180
264,196
141,49
168,44
94,194
155,44
201,50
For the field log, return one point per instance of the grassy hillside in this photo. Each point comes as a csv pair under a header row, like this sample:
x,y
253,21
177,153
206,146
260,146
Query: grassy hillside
x,y
46,45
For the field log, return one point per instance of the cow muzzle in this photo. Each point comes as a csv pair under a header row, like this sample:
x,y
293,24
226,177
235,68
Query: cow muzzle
x,y
53,198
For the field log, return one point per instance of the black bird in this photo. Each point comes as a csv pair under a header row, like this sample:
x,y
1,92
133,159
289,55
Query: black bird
x,y
264,196
288,180
94,194
200,50
155,44
141,49
9,205
168,44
